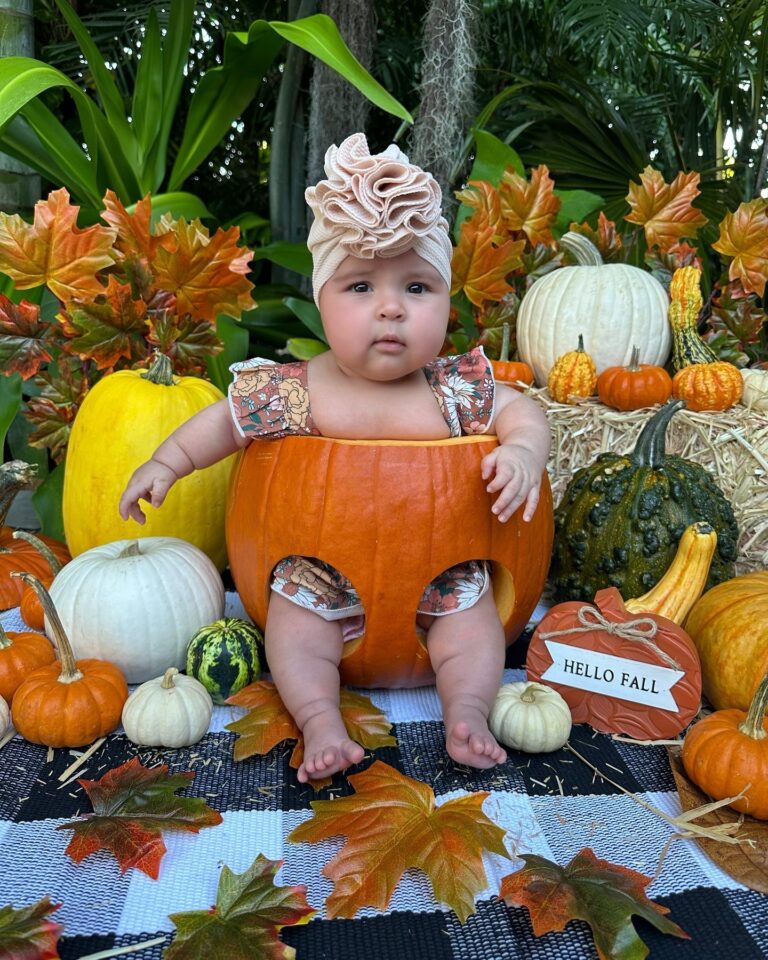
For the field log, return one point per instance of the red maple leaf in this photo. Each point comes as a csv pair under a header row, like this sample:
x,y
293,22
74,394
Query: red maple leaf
x,y
23,346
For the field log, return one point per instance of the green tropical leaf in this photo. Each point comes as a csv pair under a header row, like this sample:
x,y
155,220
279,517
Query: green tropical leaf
x,y
492,158
178,204
10,403
575,207
308,314
293,256
235,340
304,348
47,500
146,110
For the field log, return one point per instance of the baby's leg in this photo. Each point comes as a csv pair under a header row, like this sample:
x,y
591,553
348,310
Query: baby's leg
x,y
304,652
467,654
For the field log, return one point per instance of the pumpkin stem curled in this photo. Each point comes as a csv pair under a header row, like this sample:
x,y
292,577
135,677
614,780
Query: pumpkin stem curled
x,y
650,448
528,695
753,726
132,550
14,476
167,683
69,672
160,371
581,248
42,548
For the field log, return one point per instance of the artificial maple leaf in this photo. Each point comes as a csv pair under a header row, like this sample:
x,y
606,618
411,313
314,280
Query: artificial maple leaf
x,y
132,805
597,891
392,824
744,236
185,341
29,933
133,230
245,922
206,273
530,207
605,237
54,251
268,723
665,210
484,199
53,424
23,347
742,317
479,265
663,265
110,328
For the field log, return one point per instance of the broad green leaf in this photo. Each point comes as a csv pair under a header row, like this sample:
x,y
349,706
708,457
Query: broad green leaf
x,y
309,315
179,204
293,256
223,92
492,158
304,348
22,79
235,340
47,500
10,402
176,45
575,206
147,105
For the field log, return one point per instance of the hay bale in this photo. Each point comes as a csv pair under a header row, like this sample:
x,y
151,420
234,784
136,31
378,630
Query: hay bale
x,y
732,445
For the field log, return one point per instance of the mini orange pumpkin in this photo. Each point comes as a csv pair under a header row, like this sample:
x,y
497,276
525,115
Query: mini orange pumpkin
x,y
67,704
21,652
510,372
31,608
726,753
572,375
391,515
635,385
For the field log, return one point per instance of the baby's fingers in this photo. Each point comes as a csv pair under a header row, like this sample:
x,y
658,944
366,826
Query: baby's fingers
x,y
488,464
531,502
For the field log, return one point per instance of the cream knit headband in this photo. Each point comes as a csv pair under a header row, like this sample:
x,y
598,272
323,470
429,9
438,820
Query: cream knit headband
x,y
378,205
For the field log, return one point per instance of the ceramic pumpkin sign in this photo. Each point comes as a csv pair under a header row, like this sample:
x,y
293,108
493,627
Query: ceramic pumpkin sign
x,y
391,516
618,672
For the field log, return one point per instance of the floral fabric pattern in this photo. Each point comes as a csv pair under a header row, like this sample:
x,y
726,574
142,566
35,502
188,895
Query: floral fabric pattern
x,y
465,392
269,399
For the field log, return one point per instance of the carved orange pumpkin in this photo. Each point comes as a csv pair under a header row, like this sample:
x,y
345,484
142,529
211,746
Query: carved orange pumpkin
x,y
391,516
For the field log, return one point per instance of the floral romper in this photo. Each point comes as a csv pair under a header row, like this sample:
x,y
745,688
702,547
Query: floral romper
x,y
271,400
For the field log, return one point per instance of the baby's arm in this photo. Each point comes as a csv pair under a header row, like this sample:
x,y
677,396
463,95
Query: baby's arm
x,y
208,436
516,466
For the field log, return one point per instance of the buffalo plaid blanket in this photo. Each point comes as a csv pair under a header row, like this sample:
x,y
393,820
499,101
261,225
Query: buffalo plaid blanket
x,y
552,805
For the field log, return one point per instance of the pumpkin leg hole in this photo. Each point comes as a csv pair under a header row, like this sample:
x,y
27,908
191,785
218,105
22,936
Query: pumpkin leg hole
x,y
317,586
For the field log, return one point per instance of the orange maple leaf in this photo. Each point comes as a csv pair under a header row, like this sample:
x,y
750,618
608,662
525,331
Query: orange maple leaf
x,y
480,262
23,347
744,236
206,273
530,207
392,823
665,210
52,250
483,198
134,230
268,723
605,237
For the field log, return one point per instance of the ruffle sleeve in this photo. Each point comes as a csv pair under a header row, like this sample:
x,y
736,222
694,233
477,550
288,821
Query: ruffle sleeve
x,y
269,399
465,391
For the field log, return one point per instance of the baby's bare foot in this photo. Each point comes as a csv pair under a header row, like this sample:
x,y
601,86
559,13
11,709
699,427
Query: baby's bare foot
x,y
327,747
469,741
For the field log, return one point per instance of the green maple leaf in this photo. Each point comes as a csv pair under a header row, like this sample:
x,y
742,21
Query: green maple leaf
x,y
599,892
132,805
187,342
246,919
29,933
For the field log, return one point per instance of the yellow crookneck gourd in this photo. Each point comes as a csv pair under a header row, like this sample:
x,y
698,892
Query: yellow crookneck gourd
x,y
703,381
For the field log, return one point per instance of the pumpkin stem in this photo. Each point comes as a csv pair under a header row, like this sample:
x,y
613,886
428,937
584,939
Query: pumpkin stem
x,y
581,248
167,683
580,348
42,548
504,352
753,726
5,640
160,370
132,550
14,476
650,448
634,360
69,672
529,694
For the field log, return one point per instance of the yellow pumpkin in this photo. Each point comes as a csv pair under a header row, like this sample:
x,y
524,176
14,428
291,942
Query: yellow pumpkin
x,y
121,422
728,627
390,515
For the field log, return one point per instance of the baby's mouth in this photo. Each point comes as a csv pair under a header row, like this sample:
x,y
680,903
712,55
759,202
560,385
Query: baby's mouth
x,y
390,338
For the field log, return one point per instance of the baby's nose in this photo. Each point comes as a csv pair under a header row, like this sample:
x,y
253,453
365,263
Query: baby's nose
x,y
390,307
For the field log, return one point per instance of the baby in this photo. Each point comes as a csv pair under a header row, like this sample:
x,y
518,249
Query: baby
x,y
381,279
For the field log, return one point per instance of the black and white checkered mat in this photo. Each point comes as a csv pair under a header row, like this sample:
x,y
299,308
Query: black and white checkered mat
x,y
552,805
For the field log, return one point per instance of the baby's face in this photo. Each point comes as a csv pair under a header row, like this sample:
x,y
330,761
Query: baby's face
x,y
386,317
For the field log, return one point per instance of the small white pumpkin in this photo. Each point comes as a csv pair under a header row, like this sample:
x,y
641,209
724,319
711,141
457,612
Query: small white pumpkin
x,y
5,717
170,711
137,603
614,305
530,717
755,392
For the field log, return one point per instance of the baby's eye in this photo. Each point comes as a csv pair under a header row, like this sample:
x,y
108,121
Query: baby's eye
x,y
360,287
417,288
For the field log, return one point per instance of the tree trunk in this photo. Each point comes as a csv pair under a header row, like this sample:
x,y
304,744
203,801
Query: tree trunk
x,y
446,92
19,186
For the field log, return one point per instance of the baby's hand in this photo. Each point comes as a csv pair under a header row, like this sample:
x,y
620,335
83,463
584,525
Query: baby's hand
x,y
151,482
515,471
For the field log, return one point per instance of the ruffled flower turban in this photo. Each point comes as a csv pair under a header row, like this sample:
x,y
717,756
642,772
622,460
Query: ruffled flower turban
x,y
374,205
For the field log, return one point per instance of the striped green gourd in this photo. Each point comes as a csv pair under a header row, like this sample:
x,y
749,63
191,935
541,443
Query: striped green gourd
x,y
224,656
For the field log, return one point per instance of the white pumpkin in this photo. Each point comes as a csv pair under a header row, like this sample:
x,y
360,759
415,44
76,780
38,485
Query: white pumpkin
x,y
755,392
169,711
614,305
5,717
530,717
137,602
